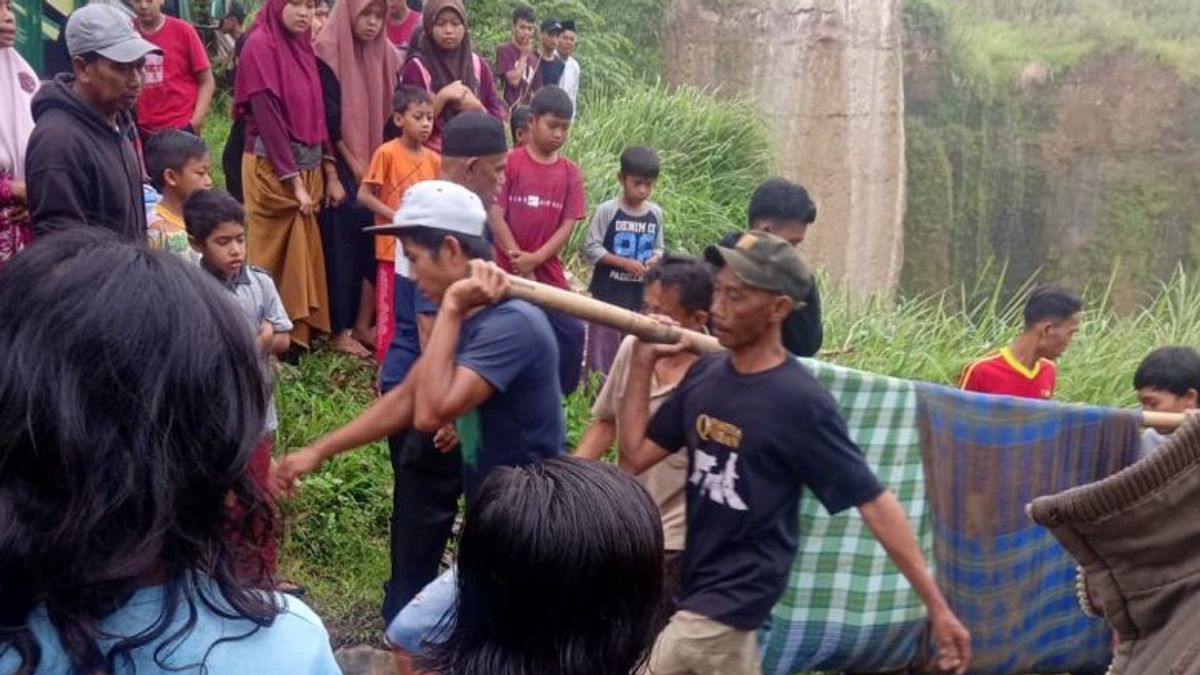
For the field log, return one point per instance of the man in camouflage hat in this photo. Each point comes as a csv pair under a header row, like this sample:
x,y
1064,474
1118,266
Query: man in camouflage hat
x,y
757,427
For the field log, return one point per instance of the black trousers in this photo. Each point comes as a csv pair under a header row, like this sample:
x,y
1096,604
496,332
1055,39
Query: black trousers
x,y
424,505
349,254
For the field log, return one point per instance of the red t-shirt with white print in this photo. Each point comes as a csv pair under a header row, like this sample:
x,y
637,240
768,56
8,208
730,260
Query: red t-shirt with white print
x,y
172,82
536,199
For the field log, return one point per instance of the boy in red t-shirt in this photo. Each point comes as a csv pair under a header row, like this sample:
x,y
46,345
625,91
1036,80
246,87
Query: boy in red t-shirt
x,y
179,84
537,209
1026,367
542,198
401,24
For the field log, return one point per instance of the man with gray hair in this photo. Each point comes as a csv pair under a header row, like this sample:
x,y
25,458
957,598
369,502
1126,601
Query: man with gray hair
x,y
82,166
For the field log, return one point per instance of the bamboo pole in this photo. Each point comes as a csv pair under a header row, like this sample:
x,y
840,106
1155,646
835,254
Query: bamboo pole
x,y
591,309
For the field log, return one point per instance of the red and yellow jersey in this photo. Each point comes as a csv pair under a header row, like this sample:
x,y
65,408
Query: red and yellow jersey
x,y
1002,374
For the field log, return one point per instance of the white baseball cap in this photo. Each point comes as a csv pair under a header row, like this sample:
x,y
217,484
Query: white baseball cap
x,y
440,205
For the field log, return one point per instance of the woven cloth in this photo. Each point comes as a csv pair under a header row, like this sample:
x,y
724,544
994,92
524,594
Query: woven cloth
x,y
1009,581
847,607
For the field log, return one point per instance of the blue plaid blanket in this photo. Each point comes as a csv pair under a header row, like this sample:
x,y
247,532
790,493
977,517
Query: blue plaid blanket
x,y
1009,581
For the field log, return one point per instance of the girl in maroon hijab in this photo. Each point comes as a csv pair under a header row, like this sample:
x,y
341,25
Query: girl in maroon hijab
x,y
288,166
442,62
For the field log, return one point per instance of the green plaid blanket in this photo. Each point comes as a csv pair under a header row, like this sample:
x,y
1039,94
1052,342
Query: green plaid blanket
x,y
846,605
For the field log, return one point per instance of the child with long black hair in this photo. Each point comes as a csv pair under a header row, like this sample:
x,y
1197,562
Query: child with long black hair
x,y
131,399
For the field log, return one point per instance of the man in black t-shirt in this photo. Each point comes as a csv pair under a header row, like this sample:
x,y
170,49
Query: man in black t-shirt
x,y
758,427
784,209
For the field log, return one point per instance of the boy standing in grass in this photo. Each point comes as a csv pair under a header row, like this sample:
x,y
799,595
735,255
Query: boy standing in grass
x,y
536,212
179,165
1168,381
1026,367
542,198
571,72
757,427
179,83
216,229
516,64
396,166
625,239
551,67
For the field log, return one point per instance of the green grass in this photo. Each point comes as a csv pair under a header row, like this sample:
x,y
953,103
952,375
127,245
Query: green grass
x,y
336,542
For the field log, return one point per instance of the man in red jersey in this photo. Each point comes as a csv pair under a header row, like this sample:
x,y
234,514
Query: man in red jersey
x,y
1026,367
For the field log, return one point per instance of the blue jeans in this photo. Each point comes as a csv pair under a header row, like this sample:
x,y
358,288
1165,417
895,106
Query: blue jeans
x,y
429,617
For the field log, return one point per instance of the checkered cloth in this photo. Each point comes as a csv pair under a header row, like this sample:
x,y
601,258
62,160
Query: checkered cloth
x,y
847,607
1008,580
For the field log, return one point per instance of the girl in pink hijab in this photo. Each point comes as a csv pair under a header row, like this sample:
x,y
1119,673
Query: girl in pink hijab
x,y
18,83
359,70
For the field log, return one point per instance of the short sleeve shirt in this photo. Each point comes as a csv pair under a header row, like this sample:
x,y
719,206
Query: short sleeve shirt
x,y
259,300
169,233
1001,374
664,481
405,348
172,83
537,198
507,55
393,170
753,441
400,34
632,235
512,346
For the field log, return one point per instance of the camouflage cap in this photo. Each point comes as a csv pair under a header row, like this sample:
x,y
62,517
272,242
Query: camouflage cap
x,y
765,261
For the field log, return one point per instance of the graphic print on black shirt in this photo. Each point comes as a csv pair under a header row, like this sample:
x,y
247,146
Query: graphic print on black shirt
x,y
753,441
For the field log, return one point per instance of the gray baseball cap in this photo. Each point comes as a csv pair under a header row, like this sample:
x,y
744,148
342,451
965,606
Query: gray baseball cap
x,y
106,31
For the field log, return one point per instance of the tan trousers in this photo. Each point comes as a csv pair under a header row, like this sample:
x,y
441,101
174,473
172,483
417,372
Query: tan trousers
x,y
695,645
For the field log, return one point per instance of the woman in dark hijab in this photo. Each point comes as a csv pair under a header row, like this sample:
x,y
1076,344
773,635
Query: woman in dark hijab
x,y
443,63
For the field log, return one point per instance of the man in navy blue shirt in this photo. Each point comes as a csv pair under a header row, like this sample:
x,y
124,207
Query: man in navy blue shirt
x,y
427,475
490,365
758,428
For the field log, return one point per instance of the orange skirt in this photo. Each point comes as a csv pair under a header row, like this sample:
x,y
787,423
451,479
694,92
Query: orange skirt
x,y
287,244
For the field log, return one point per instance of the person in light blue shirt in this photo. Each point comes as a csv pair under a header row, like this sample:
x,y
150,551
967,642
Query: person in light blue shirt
x,y
131,399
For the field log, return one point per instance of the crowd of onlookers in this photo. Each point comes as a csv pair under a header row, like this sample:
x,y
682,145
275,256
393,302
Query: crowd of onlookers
x,y
384,180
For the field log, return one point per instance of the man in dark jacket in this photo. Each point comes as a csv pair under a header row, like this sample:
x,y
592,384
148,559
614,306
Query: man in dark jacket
x,y
82,167
784,209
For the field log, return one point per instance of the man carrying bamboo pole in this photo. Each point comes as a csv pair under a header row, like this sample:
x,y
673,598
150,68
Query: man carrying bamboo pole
x,y
757,427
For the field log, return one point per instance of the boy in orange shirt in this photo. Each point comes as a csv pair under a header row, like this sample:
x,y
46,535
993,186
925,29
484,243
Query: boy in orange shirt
x,y
396,166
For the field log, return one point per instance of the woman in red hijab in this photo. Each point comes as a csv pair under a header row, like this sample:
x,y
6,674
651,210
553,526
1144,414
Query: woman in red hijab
x,y
288,166
359,70
442,62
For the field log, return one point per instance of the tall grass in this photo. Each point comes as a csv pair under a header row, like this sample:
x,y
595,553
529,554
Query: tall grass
x,y
338,527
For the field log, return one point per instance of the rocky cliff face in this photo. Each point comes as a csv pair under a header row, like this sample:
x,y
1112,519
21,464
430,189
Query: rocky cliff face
x,y
1068,175
827,76
923,178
